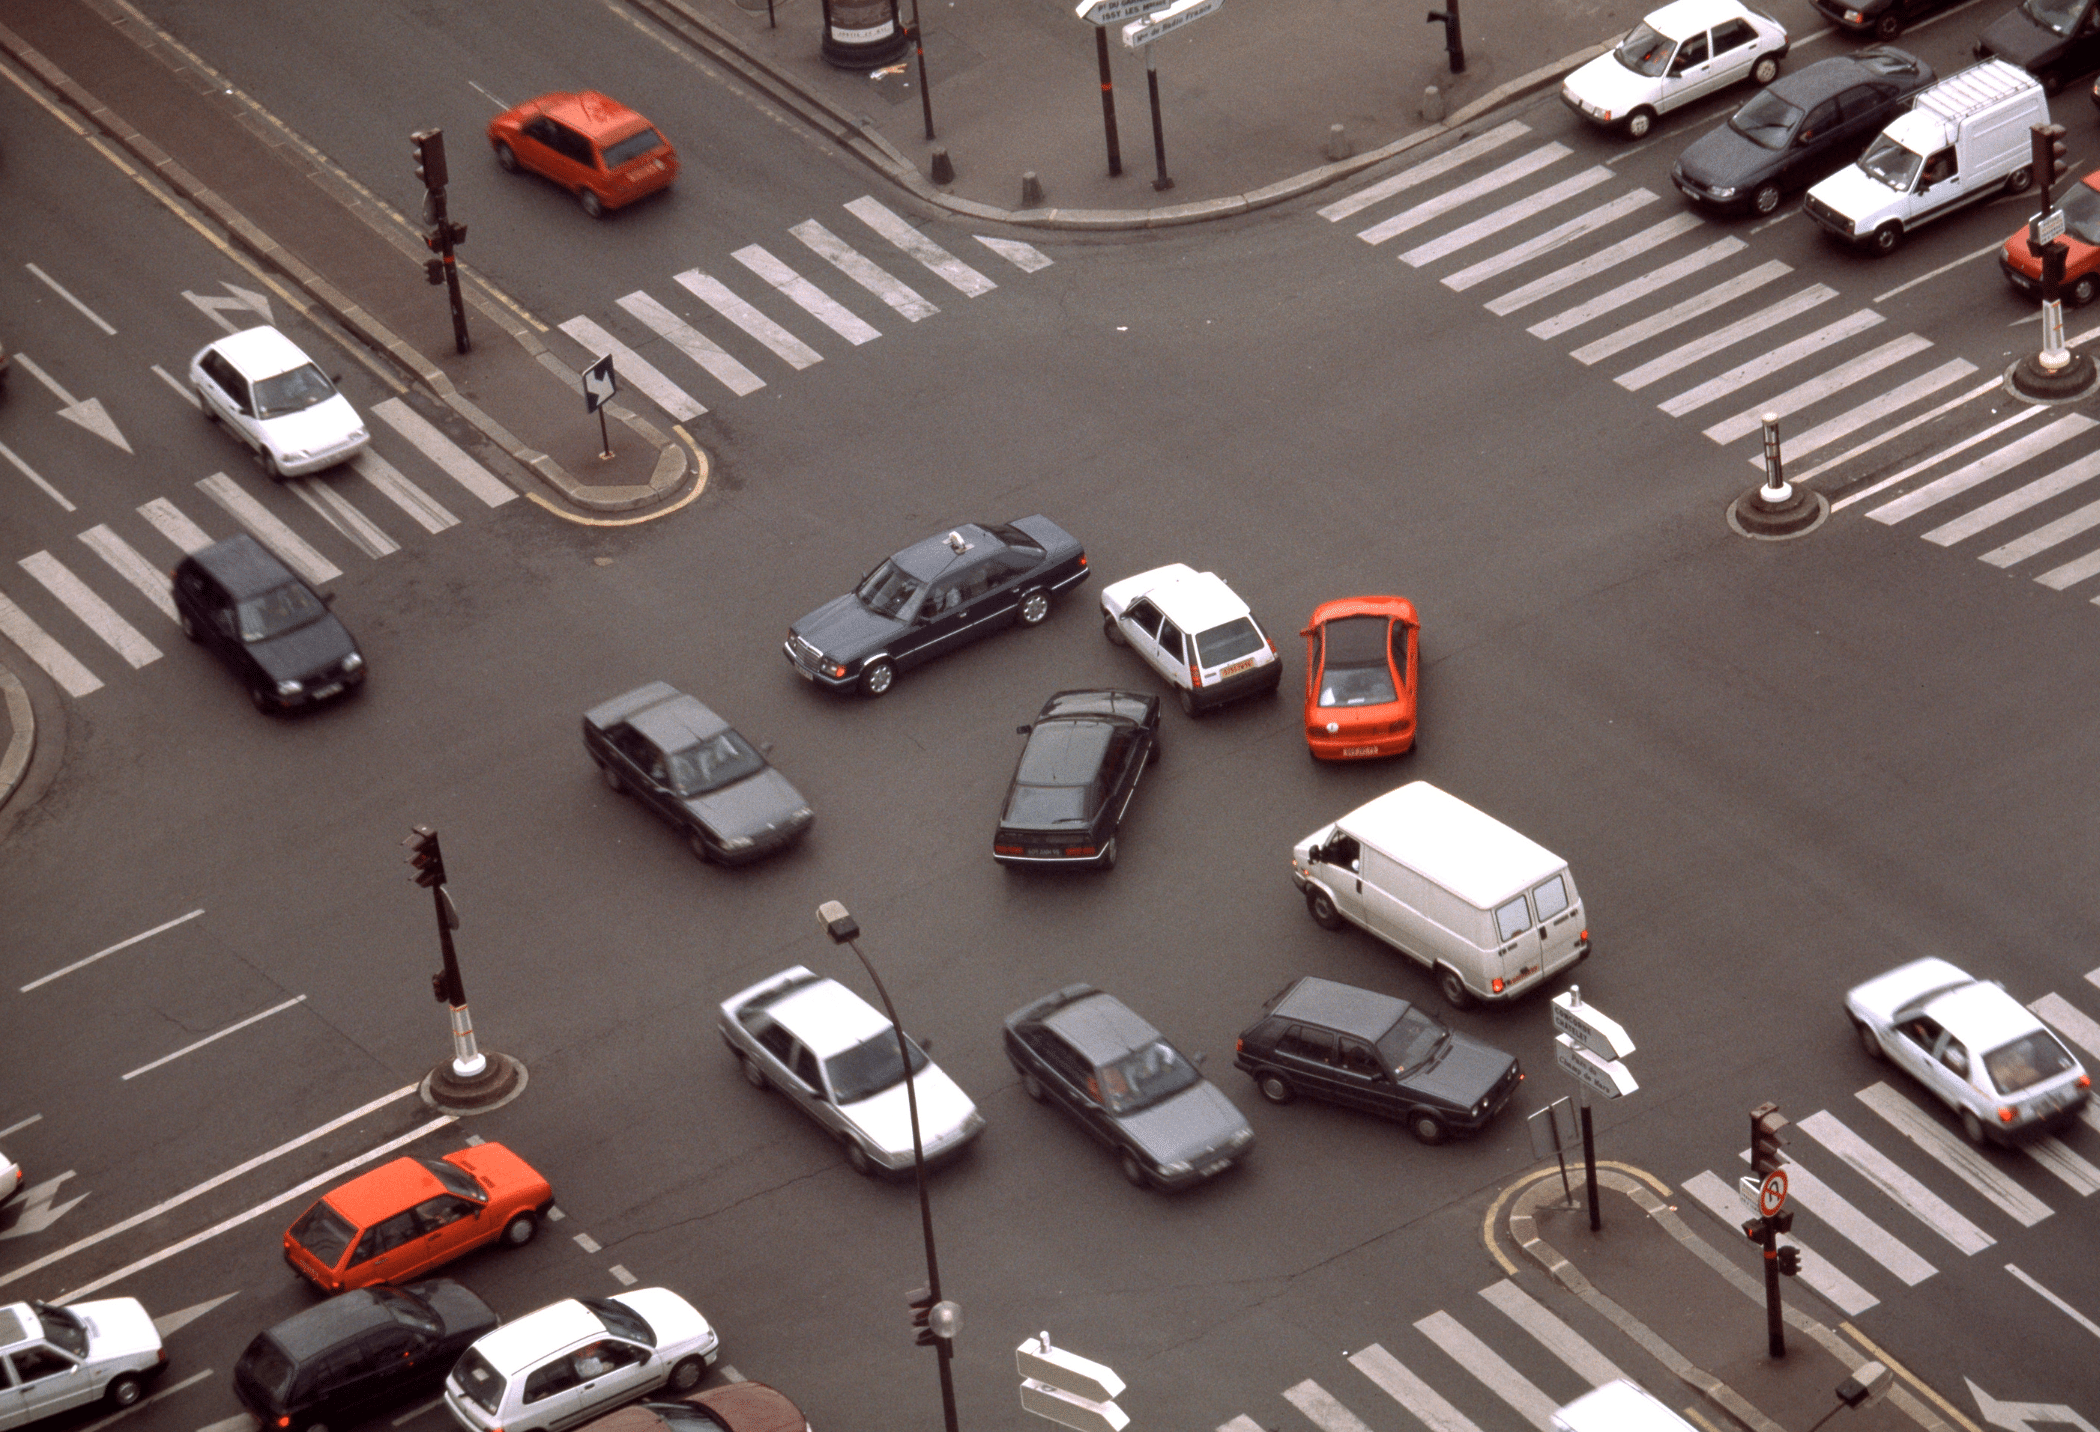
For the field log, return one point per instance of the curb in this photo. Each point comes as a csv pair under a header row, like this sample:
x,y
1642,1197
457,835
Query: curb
x,y
21,740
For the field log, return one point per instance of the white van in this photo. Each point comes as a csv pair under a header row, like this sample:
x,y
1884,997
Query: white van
x,y
1618,1407
1962,140
1491,912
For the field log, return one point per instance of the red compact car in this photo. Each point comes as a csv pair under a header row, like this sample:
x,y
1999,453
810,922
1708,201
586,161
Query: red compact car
x,y
407,1217
593,146
1362,660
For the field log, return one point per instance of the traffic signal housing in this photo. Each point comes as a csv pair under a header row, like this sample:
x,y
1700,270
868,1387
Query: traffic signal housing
x,y
1790,1260
424,855
429,148
2051,155
922,1301
1765,1123
434,271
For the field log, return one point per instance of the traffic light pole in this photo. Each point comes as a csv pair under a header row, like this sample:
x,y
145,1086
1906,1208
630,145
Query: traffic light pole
x,y
471,1081
2056,374
467,1061
1775,1323
429,149
460,341
1589,1166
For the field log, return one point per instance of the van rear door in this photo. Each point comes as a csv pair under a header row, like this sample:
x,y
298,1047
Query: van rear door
x,y
1558,909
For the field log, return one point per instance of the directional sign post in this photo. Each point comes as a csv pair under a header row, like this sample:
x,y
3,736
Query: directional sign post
x,y
1139,34
1068,1389
599,385
1589,1047
1101,14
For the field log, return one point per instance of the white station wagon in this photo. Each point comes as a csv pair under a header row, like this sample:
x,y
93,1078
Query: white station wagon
x,y
577,1358
1194,631
54,1358
1682,52
274,398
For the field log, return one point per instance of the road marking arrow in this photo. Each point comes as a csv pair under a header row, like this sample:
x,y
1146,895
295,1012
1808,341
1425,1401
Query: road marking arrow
x,y
89,413
38,1213
215,307
167,1323
2021,1416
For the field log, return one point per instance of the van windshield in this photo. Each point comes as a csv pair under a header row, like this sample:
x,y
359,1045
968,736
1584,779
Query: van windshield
x,y
1892,163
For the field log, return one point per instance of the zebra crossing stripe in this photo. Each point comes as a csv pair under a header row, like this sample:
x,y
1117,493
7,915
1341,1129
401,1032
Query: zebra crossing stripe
x,y
1241,1423
1557,237
130,564
1881,1171
2056,1156
1768,363
1523,209
2012,504
1490,1367
1818,1272
1705,346
1608,257
716,295
1645,286
423,509
693,344
2070,1021
335,509
1874,409
425,438
946,266
1823,385
1319,1405
1551,1333
1955,1156
1398,1382
862,270
172,523
1465,193
634,369
1884,1247
38,645
2070,574
1428,169
808,297
1982,470
1681,312
1025,257
290,547
95,614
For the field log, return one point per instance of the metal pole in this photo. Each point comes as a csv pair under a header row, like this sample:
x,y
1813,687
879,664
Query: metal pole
x,y
918,40
467,1060
769,16
460,340
1108,101
1775,1325
1589,1165
1159,135
604,438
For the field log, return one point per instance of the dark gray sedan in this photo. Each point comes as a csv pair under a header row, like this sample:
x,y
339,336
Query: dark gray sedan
x,y
692,768
1088,1054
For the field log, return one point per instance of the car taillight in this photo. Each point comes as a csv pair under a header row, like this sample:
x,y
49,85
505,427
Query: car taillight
x,y
1080,850
1082,559
1195,675
2085,1081
2005,1116
1495,984
284,1422
1239,1046
1006,850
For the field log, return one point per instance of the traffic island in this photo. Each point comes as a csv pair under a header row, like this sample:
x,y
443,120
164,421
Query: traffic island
x,y
2033,381
1761,516
501,1080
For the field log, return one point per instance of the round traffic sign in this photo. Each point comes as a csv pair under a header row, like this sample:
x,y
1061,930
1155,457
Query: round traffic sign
x,y
1771,1194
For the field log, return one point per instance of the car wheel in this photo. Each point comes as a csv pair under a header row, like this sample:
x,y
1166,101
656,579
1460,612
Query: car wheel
x,y
1639,123
686,1375
1766,199
592,204
1034,607
1869,1042
124,1390
1106,860
877,679
1113,632
1886,238
1188,702
612,779
189,626
1972,1128
1889,26
1033,1087
2020,180
1135,1171
1275,1088
1453,989
268,465
753,1075
1765,70
518,1232
1426,1126
857,1159
2082,290
1320,905
211,414
698,843
506,160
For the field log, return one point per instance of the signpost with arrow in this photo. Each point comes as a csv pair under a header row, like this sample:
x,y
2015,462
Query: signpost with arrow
x,y
1589,1048
1139,34
599,385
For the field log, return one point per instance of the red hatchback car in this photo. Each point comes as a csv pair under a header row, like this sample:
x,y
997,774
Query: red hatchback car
x,y
593,146
409,1216
1362,659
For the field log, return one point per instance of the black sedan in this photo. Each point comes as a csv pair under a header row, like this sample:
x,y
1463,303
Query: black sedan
x,y
1088,1054
1799,128
1883,19
2054,40
692,768
1085,753
1371,1051
273,630
933,597
358,1353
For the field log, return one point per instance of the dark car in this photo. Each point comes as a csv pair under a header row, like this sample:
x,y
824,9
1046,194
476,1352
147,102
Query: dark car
x,y
1883,19
1799,128
2054,40
341,1361
1085,753
1374,1052
933,597
269,626
1088,1054
692,768
739,1407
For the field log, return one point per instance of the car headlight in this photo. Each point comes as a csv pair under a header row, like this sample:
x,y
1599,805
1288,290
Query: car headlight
x,y
737,842
355,661
290,688
804,814
1728,193
973,1122
1176,1168
1244,1136
1853,17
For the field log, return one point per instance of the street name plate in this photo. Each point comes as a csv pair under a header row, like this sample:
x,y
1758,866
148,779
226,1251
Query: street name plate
x,y
1588,1026
1606,1076
1143,32
2050,227
1115,12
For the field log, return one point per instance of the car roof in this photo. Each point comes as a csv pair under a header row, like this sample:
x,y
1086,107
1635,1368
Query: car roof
x,y
1983,1016
330,1323
678,723
1465,850
384,1191
827,1017
1686,17
17,1324
1194,601
1101,1027
1399,607
1066,752
1345,1009
933,558
1812,84
598,115
515,1346
261,352
1117,705
243,566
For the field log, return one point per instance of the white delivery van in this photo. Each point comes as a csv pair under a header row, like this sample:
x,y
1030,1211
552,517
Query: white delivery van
x,y
1962,140
1491,912
1618,1407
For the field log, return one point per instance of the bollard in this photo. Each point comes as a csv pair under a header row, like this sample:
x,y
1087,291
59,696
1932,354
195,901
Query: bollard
x,y
1338,145
943,171
1432,104
1031,191
1776,509
1777,490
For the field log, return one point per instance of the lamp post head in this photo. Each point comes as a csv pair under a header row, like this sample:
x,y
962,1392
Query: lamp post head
x,y
833,918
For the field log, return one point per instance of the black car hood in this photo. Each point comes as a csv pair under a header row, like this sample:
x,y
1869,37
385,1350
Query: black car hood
x,y
2017,40
296,655
1466,1074
750,806
845,630
1197,1122
1724,159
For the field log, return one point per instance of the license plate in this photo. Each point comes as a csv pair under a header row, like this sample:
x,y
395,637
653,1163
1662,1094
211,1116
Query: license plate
x,y
327,691
1359,750
1236,668
804,672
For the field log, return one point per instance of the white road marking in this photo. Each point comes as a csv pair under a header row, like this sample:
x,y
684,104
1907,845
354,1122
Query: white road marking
x,y
1490,1367
937,260
170,1390
1551,1333
426,511
1634,289
1681,312
1826,1203
170,521
31,473
2012,504
587,1243
39,1208
1943,268
182,389
290,547
619,1271
1608,257
1466,193
862,270
431,1406
336,510
1519,212
812,300
1025,257
1956,1157
2070,574
19,1125
1553,238
1770,362
40,647
85,412
1398,1381
130,564
1887,435
214,1038
124,944
95,614
1428,169
1822,386
1874,409
717,295
2061,1306
1321,1408
2053,1010
57,288
637,371
215,308
1983,469
168,1324
2056,1156
1881,1171
424,436
1706,345
1818,1272
1993,386
694,344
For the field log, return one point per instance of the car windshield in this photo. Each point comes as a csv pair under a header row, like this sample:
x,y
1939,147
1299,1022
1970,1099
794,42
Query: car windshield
x,y
292,392
890,591
455,1179
324,1233
1892,163
2060,16
409,1310
1645,52
265,1365
2082,213
634,146
870,1067
63,1327
2029,1060
1144,1077
274,613
1355,669
622,1320
482,1384
1767,120
686,1417
1229,642
713,764
1413,1041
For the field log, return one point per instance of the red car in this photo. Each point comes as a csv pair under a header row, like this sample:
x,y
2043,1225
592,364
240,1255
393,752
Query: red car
x,y
409,1216
2081,210
593,146
1362,660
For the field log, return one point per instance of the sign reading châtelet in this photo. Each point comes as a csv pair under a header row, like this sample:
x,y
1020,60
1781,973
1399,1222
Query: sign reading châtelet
x,y
1587,1026
1139,33
1115,12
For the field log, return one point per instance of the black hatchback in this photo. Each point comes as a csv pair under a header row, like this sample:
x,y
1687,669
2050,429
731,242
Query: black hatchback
x,y
1374,1052
1085,753
1799,128
274,631
341,1361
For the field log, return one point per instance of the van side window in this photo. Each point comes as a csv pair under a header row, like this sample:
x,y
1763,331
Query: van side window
x,y
1551,898
1512,919
1344,851
1938,169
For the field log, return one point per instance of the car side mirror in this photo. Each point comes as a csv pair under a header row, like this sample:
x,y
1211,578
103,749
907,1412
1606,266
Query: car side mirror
x,y
765,748
925,1045
1023,729
1197,1059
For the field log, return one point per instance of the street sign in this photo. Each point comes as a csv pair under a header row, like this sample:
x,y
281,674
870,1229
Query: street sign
x,y
2050,227
599,384
1605,1076
1771,1194
1068,1389
1139,33
1115,12
1588,1027
1552,1128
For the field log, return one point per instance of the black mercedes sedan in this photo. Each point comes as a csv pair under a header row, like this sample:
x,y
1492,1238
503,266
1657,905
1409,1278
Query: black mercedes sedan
x,y
1799,128
693,768
933,597
1086,751
1374,1052
1089,1055
2056,41
273,631
358,1353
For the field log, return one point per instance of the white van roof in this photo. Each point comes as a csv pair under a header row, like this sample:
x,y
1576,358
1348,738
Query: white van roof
x,y
1464,850
1618,1407
1975,88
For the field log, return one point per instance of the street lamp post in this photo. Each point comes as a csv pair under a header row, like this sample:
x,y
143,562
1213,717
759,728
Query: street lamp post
x,y
943,1318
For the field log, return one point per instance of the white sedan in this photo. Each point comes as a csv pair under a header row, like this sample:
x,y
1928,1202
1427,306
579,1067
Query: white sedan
x,y
54,1358
1680,53
1979,1050
277,400
579,1357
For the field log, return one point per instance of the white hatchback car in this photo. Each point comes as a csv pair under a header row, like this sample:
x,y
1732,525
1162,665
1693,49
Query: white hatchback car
x,y
1193,630
1978,1049
835,1056
1686,50
53,1358
278,401
577,1358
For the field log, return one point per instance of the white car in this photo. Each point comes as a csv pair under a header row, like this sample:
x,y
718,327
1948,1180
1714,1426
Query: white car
x,y
1981,1051
277,400
1194,631
1682,52
53,1358
10,1179
835,1056
579,1357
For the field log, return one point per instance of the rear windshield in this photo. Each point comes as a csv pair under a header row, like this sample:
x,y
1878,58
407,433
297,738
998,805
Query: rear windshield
x,y
264,1365
1355,669
480,1383
1064,753
2029,1060
455,1179
324,1233
634,146
1229,642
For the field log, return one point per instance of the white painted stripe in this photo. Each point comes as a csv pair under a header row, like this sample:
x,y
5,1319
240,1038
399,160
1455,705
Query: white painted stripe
x,y
809,298
1726,1204
1768,363
123,944
1889,435
1398,1382
290,547
425,438
20,1124
785,345
431,1406
182,390
338,512
53,284
862,270
694,344
1551,1333
1554,238
1509,214
38,645
1822,386
1428,169
2092,977
1319,1405
2070,574
937,260
626,1279
1025,257
1974,474
2070,1021
172,523
1706,345
2012,504
1878,1169
214,1038
96,615
1991,386
1935,273
2056,1156
1611,300
36,477
1874,409
1811,1193
1466,193
634,370
1964,1162
1681,312
174,1387
1241,1423
2061,1306
131,564
1608,257
426,511
1490,1367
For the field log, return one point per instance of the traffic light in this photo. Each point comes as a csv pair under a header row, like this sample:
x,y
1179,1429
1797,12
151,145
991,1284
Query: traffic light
x,y
430,157
434,271
922,1301
459,234
2051,155
423,854
1765,1124
1790,1260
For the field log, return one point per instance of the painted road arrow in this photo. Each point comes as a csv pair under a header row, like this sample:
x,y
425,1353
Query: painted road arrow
x,y
215,308
38,1212
89,413
167,1323
2023,1416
